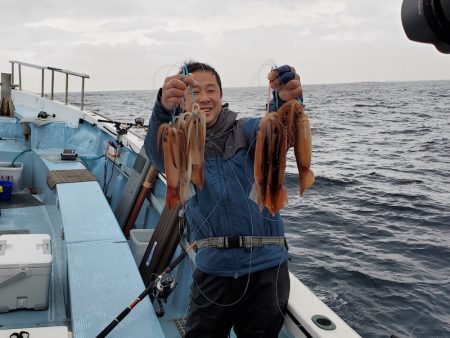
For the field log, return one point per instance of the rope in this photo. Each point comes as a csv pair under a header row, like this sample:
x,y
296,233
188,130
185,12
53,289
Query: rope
x,y
23,152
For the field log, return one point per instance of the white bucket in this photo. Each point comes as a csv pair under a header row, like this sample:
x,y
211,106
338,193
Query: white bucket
x,y
13,174
139,239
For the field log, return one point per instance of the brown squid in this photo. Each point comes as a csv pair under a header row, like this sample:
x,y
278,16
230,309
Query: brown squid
x,y
278,131
172,161
183,147
270,163
194,125
303,148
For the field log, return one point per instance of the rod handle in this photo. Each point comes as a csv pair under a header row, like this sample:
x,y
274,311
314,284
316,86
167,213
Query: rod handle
x,y
108,329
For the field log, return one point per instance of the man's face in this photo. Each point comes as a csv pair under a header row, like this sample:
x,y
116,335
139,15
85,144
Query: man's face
x,y
206,94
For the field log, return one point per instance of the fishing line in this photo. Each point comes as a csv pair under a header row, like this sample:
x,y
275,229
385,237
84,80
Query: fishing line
x,y
268,99
220,150
255,205
233,172
106,185
250,148
205,221
105,173
169,71
276,284
238,123
145,293
186,73
251,249
266,64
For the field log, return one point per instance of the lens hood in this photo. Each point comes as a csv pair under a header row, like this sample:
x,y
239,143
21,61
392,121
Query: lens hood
x,y
427,21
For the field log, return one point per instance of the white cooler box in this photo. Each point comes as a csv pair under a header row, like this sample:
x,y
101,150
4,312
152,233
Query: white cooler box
x,y
25,265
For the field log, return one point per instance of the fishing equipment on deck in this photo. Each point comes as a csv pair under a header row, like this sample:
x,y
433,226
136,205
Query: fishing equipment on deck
x,y
163,243
69,155
162,285
43,115
159,252
149,180
112,151
165,284
139,171
123,127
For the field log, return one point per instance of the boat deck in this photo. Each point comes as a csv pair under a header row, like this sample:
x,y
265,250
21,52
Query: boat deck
x,y
93,275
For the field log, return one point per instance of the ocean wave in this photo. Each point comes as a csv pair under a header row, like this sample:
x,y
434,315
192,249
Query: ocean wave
x,y
323,181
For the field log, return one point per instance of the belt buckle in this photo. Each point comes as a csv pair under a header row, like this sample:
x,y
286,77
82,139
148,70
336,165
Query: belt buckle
x,y
234,242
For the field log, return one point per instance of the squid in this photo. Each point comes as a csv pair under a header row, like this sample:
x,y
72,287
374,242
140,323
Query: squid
x,y
278,131
270,163
194,126
302,146
172,162
183,147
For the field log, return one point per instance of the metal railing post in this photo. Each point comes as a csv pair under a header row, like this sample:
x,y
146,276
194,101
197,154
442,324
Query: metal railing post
x,y
12,72
42,85
53,84
53,70
67,87
20,77
82,93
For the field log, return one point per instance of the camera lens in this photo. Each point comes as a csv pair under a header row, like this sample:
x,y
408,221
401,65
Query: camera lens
x,y
428,21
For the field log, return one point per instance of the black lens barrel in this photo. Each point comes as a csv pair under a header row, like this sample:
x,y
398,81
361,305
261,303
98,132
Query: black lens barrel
x,y
427,21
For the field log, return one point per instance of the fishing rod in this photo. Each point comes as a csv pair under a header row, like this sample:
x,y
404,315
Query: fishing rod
x,y
123,127
164,284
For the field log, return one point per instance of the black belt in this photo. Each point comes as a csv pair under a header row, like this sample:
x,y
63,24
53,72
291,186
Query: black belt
x,y
229,242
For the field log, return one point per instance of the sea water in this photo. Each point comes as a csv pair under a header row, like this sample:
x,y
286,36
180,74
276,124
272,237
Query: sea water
x,y
371,237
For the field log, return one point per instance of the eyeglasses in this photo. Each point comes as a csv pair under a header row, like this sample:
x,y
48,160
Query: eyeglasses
x,y
21,334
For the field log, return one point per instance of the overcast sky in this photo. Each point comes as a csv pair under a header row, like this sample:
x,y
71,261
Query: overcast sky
x,y
134,44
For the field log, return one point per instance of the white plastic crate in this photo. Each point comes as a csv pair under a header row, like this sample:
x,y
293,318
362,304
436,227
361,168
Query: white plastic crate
x,y
25,265
40,332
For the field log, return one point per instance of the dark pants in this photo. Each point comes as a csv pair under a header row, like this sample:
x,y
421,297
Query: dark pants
x,y
254,304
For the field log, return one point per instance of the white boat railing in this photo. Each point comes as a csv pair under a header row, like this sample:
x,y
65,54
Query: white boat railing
x,y
53,70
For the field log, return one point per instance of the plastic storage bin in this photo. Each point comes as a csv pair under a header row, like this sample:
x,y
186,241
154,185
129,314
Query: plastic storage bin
x,y
139,239
25,265
13,174
5,190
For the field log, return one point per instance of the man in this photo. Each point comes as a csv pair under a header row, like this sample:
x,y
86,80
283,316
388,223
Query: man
x,y
241,280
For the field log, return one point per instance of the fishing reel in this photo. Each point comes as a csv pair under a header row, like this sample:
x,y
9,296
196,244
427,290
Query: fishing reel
x,y
164,286
43,115
123,127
